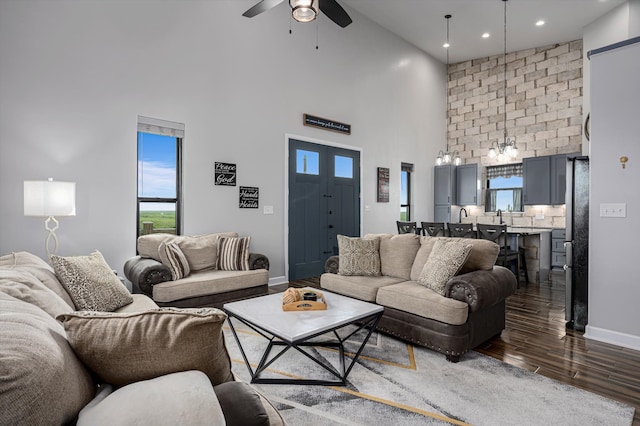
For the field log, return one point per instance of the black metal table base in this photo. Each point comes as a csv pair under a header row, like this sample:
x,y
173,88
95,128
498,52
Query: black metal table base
x,y
277,342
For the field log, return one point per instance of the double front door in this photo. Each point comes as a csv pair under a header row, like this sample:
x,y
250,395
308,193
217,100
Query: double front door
x,y
324,201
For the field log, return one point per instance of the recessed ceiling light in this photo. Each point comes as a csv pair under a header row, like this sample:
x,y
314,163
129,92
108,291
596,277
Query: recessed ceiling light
x,y
540,23
446,45
485,35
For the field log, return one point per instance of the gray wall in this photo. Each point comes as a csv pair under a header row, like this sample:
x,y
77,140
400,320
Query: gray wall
x,y
75,75
614,88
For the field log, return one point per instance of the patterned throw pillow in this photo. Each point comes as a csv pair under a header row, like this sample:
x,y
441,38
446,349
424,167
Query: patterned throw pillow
x,y
123,348
173,258
444,262
359,256
91,283
233,254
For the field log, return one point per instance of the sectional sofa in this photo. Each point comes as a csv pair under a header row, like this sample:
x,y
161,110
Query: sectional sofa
x,y
466,309
61,363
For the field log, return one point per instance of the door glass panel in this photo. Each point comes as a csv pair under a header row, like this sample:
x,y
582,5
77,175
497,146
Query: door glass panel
x,y
343,167
307,162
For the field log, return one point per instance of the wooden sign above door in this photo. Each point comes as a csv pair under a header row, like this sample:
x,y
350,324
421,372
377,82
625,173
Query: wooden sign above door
x,y
323,123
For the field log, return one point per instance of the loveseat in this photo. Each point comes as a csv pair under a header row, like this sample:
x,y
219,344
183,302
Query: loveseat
x,y
464,308
139,364
213,278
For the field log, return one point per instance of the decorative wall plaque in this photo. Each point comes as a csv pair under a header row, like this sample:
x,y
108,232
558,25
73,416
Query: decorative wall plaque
x,y
383,185
225,174
323,123
249,197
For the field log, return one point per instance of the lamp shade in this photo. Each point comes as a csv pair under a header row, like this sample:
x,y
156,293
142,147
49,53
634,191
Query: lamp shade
x,y
49,198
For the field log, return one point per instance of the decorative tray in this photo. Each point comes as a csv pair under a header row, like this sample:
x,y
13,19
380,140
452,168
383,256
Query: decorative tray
x,y
300,299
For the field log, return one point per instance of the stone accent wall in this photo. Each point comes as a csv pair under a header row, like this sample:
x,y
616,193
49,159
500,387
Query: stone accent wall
x,y
543,112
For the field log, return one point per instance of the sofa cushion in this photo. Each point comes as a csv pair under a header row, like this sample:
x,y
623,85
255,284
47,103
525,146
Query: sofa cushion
x,y
397,253
91,283
241,404
41,379
203,283
24,261
173,258
185,398
483,254
26,287
123,348
409,296
445,260
359,287
140,303
358,256
200,250
233,253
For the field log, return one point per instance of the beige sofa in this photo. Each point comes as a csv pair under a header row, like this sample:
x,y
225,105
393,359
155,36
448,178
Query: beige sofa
x,y
53,370
205,285
470,310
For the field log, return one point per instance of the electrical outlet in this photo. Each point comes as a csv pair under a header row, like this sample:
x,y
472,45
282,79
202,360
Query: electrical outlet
x,y
613,210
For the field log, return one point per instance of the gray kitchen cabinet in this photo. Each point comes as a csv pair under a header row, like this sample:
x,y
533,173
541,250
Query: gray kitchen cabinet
x,y
467,185
444,193
558,257
536,180
558,178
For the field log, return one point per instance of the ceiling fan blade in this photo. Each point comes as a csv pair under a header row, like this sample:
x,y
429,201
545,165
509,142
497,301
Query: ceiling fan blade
x,y
335,12
260,7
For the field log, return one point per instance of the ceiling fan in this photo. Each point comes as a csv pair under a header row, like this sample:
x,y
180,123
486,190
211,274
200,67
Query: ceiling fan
x,y
305,10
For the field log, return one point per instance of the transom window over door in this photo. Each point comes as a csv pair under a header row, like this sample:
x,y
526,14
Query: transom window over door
x,y
504,188
159,176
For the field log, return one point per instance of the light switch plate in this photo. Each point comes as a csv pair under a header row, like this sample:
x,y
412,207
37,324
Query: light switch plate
x,y
613,210
267,210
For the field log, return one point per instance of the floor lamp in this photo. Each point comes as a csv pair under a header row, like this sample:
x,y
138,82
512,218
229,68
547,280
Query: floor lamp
x,y
46,198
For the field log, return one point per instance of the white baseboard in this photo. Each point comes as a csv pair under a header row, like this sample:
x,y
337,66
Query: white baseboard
x,y
613,337
277,280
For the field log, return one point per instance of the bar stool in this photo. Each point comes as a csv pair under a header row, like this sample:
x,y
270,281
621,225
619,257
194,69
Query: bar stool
x,y
433,229
406,227
462,230
498,234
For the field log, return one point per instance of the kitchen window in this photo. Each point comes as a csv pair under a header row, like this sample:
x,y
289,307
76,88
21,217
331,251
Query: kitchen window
x,y
504,188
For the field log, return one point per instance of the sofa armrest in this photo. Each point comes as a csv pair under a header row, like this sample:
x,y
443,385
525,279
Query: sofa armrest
x,y
332,264
481,289
258,261
144,273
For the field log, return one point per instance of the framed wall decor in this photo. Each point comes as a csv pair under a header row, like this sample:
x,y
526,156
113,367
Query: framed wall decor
x,y
383,185
249,197
225,174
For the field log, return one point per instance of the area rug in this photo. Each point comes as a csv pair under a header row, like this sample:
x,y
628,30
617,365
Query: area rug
x,y
395,383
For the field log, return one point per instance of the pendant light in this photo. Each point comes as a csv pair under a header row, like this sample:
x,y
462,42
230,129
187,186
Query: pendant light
x,y
447,157
505,149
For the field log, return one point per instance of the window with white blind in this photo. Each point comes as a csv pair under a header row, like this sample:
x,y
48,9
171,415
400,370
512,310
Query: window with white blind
x,y
159,176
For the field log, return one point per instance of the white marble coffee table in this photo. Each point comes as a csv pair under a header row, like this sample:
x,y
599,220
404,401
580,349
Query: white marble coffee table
x,y
295,329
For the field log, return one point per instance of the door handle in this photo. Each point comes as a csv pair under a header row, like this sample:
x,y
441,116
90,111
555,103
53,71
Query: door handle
x,y
326,196
330,226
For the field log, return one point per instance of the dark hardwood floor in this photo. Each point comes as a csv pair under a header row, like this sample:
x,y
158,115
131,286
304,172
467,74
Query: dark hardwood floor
x,y
536,339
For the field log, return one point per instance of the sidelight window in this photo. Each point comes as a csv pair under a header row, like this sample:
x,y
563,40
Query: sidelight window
x,y
406,171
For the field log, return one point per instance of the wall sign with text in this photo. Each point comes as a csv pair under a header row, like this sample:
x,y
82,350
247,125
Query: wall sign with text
x,y
383,185
225,174
323,123
249,197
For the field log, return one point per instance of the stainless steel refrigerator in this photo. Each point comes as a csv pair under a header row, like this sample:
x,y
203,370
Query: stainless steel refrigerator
x,y
577,242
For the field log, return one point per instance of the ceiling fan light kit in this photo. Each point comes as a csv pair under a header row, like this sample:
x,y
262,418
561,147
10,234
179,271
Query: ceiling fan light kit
x,y
304,10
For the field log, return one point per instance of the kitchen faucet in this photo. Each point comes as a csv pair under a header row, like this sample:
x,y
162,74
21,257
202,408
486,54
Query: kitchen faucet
x,y
460,214
499,213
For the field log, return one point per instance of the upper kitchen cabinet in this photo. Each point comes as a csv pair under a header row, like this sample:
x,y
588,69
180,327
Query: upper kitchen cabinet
x,y
536,180
544,179
467,185
444,192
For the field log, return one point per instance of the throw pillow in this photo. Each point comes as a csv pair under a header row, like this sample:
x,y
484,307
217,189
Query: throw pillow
x,y
173,258
358,256
233,254
123,348
445,260
91,283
